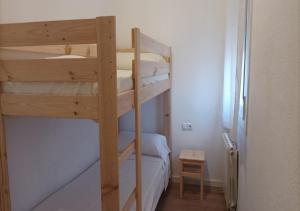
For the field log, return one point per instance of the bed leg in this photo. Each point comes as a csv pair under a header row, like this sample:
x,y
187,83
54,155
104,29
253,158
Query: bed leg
x,y
167,113
108,113
137,104
4,177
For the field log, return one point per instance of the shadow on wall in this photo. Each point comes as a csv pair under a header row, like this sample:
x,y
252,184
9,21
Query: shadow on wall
x,y
152,117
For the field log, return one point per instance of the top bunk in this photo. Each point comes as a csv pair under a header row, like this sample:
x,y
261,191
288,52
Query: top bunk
x,y
84,71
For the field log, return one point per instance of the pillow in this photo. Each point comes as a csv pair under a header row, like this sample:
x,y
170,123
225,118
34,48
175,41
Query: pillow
x,y
155,145
124,60
152,144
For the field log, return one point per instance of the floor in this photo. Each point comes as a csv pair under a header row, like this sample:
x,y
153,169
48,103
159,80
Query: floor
x,y
170,201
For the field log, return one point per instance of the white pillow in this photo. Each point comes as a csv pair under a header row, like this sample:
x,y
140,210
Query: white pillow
x,y
152,144
124,59
155,145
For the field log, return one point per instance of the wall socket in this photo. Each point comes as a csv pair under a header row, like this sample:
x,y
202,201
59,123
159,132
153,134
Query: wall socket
x,y
186,126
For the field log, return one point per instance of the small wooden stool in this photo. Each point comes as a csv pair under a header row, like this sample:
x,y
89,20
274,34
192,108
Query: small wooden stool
x,y
192,165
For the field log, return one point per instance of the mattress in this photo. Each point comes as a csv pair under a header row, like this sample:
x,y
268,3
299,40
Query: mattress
x,y
83,192
124,82
124,79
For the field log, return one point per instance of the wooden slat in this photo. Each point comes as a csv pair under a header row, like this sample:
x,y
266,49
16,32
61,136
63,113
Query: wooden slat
x,y
129,202
149,68
167,114
125,102
65,106
137,105
5,203
47,49
150,45
75,49
152,90
190,174
49,70
48,33
60,106
107,80
123,156
86,50
125,50
194,163
83,107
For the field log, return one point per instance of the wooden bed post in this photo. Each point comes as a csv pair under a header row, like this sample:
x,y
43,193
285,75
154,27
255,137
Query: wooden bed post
x,y
108,112
137,104
4,178
167,111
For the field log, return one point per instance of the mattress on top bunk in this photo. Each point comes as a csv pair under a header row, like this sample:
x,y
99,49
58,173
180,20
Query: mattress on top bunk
x,y
124,79
124,83
83,193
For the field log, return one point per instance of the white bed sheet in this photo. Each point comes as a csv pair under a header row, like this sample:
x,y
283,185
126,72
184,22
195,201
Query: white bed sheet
x,y
83,192
124,83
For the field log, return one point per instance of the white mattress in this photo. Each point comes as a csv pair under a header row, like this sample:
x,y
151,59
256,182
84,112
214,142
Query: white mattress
x,y
124,82
83,192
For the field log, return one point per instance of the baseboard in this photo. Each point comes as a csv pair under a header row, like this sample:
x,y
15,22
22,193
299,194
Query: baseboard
x,y
211,182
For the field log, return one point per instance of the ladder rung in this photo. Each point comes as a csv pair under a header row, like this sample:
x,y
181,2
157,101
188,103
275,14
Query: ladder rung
x,y
126,152
129,201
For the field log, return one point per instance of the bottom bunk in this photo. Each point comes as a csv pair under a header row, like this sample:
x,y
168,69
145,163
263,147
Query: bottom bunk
x,y
83,193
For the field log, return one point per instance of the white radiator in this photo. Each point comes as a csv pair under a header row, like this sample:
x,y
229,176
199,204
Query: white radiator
x,y
231,173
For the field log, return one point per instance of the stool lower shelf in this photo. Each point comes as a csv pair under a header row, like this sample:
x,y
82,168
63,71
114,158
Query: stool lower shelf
x,y
192,168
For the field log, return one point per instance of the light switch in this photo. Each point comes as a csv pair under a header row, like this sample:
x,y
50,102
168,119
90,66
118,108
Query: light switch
x,y
187,126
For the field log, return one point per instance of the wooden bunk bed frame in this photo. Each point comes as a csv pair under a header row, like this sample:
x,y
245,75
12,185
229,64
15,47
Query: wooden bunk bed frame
x,y
106,107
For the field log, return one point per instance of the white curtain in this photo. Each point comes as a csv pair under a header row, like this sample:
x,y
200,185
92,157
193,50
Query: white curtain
x,y
230,63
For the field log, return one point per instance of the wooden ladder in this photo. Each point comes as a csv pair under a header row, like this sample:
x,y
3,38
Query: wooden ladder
x,y
111,160
135,145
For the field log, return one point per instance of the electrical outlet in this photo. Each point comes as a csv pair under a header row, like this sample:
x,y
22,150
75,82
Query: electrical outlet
x,y
187,126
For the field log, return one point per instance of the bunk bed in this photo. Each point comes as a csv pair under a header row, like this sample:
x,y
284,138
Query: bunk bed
x,y
95,39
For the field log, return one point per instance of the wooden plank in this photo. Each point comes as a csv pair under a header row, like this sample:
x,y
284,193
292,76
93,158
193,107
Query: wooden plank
x,y
86,50
125,102
193,163
123,156
168,110
137,84
149,68
125,50
79,107
152,90
47,49
75,49
5,202
129,202
148,44
190,174
108,129
49,70
167,122
48,33
85,107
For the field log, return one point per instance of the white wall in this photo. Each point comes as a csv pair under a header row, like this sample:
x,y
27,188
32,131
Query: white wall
x,y
270,155
195,30
35,10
